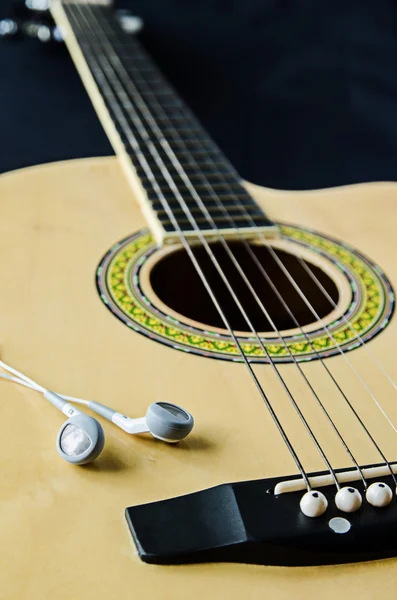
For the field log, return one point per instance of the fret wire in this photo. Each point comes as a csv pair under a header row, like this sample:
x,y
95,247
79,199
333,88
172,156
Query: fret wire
x,y
215,186
183,159
203,145
194,143
199,151
206,169
197,175
186,129
218,187
203,225
219,217
214,210
169,196
173,117
227,201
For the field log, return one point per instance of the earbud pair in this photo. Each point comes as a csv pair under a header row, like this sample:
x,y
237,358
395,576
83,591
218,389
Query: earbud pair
x,y
81,438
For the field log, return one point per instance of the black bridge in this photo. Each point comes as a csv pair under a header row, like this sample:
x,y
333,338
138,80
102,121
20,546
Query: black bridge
x,y
245,522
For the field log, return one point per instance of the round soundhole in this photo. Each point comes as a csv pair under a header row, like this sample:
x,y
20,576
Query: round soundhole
x,y
177,284
338,301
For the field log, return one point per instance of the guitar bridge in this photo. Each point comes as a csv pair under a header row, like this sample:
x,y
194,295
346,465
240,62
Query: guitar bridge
x,y
246,522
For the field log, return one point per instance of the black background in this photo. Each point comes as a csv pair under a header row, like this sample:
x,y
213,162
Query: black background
x,y
299,94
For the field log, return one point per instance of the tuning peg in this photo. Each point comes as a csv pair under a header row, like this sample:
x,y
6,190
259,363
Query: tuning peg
x,y
44,32
38,5
129,23
8,28
30,18
38,30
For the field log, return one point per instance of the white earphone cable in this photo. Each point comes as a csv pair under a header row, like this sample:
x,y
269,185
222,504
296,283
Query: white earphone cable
x,y
20,381
33,384
20,378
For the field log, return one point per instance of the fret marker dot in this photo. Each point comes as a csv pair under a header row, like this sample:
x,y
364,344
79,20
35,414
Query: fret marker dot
x,y
339,525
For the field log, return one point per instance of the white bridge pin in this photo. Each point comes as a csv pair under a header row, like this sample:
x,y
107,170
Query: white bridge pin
x,y
313,504
348,499
379,494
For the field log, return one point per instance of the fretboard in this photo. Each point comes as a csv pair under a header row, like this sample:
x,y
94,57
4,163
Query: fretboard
x,y
183,181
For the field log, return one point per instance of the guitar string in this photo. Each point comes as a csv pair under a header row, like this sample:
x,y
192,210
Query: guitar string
x,y
100,74
142,160
232,193
232,257
198,200
299,258
215,196
235,298
326,328
363,343
123,74
128,107
231,170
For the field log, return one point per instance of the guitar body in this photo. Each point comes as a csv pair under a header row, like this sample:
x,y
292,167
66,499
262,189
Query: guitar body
x,y
63,529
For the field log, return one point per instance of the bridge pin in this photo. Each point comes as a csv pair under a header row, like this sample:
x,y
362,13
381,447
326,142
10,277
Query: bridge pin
x,y
313,504
379,494
348,499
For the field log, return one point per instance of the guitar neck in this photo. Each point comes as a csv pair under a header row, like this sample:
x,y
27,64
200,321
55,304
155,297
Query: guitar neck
x,y
184,183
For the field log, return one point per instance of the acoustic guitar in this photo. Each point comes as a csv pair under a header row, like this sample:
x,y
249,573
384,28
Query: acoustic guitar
x,y
161,276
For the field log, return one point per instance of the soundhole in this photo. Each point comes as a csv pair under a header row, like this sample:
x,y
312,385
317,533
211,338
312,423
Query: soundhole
x,y
176,282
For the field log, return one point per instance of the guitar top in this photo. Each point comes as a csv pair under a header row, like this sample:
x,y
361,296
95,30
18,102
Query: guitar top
x,y
223,355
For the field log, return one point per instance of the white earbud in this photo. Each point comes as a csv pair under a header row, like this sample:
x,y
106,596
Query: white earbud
x,y
167,422
81,438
